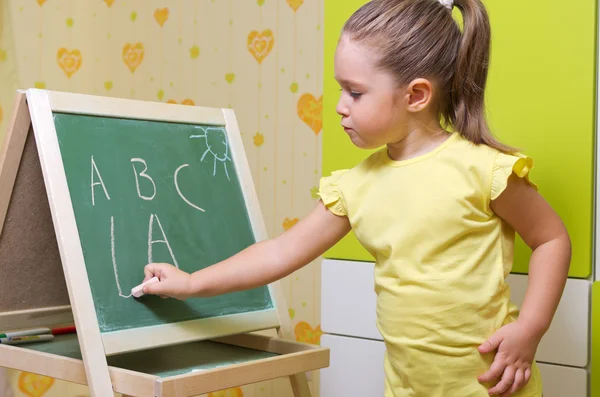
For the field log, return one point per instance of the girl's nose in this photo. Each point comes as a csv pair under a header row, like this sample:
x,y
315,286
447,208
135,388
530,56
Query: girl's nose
x,y
342,109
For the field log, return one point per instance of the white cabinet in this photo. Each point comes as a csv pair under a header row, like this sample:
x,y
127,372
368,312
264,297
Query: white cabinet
x,y
349,322
355,369
567,340
560,381
348,299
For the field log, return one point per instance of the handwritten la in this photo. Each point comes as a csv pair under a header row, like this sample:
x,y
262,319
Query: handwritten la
x,y
96,180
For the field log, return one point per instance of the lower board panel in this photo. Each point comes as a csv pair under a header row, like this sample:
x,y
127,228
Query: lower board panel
x,y
176,371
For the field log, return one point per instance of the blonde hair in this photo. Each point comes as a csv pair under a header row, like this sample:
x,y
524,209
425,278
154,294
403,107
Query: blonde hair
x,y
420,38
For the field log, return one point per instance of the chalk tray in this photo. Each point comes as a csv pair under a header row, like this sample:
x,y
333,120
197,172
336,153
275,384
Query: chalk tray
x,y
188,369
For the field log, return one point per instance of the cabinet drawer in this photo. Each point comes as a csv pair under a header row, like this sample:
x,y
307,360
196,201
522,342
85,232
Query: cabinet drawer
x,y
348,299
563,381
348,308
365,357
356,367
567,340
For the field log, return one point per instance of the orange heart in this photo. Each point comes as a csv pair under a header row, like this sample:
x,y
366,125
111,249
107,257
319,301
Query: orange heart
x,y
310,111
295,4
260,44
305,333
109,2
289,223
186,101
133,55
41,2
69,61
235,392
34,385
161,16
229,77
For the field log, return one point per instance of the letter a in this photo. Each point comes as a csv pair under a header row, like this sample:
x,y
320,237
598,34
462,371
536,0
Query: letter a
x,y
95,169
164,241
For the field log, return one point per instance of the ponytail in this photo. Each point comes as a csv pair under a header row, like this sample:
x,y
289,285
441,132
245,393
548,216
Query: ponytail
x,y
467,99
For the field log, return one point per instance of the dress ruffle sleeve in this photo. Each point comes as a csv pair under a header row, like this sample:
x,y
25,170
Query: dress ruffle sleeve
x,y
330,193
506,165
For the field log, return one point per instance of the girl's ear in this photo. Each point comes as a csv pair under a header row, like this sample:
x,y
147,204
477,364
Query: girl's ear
x,y
419,93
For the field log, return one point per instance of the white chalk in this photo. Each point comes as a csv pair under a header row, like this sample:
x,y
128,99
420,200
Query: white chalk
x,y
139,290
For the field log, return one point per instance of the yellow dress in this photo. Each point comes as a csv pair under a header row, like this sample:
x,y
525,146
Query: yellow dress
x,y
442,257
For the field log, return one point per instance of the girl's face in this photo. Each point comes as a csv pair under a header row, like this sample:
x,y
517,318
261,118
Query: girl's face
x,y
371,103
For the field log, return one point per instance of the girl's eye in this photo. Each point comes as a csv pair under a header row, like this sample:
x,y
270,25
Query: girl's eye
x,y
353,94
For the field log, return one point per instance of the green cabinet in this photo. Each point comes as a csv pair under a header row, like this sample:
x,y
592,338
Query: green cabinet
x,y
540,98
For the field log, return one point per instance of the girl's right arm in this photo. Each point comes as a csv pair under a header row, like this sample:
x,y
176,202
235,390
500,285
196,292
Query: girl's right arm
x,y
257,265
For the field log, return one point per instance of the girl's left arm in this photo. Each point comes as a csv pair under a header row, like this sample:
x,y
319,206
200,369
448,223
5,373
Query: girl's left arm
x,y
523,208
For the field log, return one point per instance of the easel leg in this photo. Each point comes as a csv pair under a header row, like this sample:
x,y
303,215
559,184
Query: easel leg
x,y
300,385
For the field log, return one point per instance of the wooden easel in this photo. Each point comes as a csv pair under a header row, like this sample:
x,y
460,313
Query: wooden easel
x,y
24,171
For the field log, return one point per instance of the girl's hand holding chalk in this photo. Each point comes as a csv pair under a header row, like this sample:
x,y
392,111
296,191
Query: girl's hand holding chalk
x,y
139,290
172,282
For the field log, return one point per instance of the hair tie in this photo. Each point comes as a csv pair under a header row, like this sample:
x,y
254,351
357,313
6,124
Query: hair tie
x,y
447,3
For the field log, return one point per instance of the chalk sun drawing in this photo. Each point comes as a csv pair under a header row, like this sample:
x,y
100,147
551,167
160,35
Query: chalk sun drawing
x,y
216,143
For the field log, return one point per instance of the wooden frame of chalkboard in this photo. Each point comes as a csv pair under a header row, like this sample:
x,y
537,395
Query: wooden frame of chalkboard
x,y
36,118
29,220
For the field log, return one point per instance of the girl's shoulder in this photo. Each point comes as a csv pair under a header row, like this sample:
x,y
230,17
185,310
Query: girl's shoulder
x,y
366,166
493,165
484,155
332,186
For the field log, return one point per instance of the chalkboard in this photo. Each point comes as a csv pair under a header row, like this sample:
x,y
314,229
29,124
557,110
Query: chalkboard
x,y
150,191
130,182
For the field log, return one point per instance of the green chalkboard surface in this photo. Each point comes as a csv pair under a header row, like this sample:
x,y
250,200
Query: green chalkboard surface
x,y
148,191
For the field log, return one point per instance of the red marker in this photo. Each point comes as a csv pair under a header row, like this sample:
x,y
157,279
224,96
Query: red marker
x,y
64,330
39,331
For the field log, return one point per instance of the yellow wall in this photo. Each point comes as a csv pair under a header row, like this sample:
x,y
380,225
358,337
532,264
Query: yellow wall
x,y
261,57
9,80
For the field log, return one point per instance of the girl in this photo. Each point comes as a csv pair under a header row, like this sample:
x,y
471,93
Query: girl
x,y
437,210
